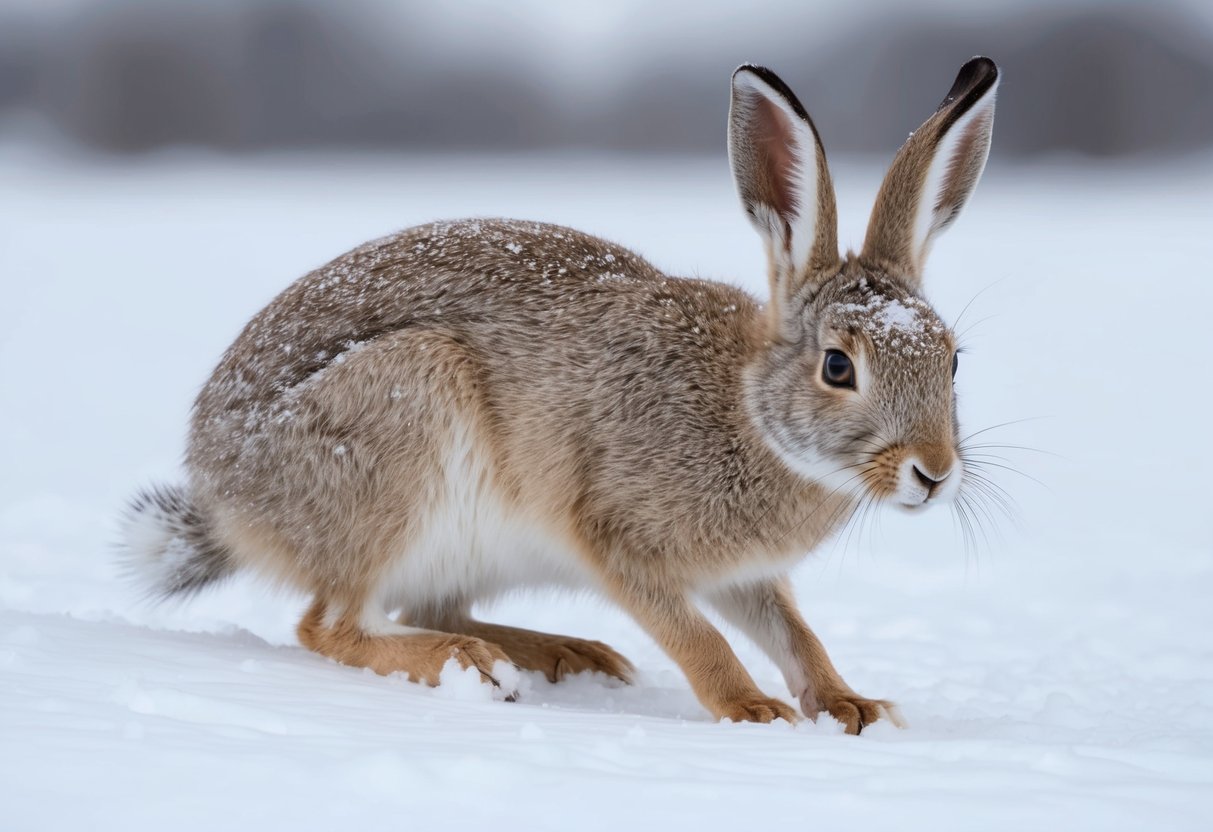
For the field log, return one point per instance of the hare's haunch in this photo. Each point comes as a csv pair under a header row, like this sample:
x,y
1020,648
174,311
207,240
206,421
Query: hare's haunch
x,y
470,407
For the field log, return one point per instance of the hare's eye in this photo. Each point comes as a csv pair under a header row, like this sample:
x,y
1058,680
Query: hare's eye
x,y
838,370
955,364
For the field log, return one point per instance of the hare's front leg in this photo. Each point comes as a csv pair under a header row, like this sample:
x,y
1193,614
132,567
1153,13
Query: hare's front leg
x,y
766,612
716,675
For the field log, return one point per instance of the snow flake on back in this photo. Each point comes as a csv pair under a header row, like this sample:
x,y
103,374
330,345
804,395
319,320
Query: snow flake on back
x,y
549,250
433,273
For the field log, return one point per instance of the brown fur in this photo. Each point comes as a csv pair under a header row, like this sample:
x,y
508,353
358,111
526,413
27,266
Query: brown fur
x,y
554,656
384,427
421,655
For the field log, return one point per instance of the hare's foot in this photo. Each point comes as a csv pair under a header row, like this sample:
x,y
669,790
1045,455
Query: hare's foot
x,y
434,650
756,708
852,710
552,655
394,648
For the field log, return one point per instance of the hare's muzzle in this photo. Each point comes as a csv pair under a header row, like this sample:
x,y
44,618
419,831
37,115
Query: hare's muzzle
x,y
927,476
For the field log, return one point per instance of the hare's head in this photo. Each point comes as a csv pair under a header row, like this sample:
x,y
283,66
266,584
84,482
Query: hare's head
x,y
854,385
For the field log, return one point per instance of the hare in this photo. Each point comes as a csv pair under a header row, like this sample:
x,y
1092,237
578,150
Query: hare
x,y
470,407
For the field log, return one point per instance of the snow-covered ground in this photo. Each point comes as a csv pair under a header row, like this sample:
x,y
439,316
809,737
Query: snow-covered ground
x,y
1057,676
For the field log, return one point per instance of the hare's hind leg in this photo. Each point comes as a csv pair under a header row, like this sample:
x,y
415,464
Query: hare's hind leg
x,y
376,447
552,655
388,647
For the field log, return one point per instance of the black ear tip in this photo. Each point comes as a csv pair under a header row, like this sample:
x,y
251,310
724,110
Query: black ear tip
x,y
978,68
758,70
973,81
775,83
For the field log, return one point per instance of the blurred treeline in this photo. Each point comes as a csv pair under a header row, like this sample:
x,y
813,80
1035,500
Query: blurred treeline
x,y
1100,79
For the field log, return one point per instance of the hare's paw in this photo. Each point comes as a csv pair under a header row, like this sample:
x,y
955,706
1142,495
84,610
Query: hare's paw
x,y
575,655
854,711
469,652
559,656
756,708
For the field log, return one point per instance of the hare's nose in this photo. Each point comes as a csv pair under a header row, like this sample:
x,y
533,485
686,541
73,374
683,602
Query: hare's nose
x,y
929,484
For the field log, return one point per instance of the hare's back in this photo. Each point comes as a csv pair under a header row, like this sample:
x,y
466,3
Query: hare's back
x,y
504,286
552,317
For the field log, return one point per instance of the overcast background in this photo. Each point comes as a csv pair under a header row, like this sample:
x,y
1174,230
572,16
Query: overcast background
x,y
167,168
1102,79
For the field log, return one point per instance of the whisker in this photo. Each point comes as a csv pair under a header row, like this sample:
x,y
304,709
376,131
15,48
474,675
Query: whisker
x,y
980,292
859,511
960,515
838,529
989,495
987,492
1002,425
1013,470
965,447
976,471
855,521
973,507
975,474
825,501
769,507
963,334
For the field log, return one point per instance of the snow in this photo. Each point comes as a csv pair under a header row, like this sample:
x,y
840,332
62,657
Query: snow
x,y
896,315
463,684
906,325
1058,674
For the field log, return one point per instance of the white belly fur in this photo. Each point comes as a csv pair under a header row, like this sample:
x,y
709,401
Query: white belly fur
x,y
472,546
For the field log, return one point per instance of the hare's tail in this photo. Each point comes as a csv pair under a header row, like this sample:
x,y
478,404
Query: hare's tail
x,y
167,545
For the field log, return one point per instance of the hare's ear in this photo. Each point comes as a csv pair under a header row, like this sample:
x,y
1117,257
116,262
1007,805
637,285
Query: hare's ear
x,y
781,175
933,175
